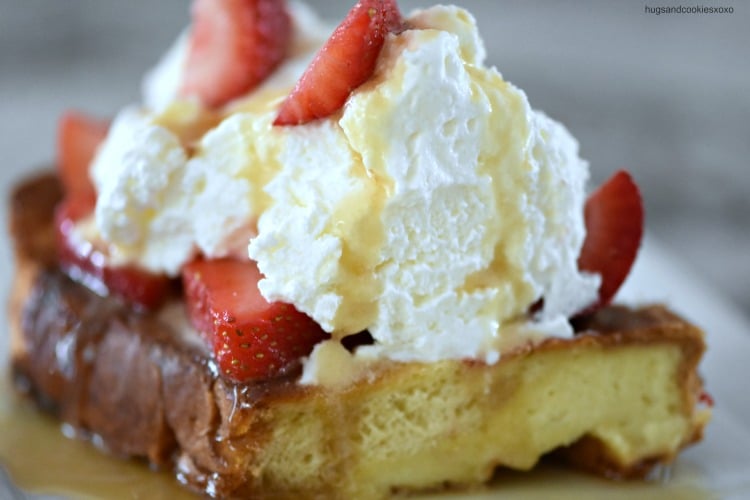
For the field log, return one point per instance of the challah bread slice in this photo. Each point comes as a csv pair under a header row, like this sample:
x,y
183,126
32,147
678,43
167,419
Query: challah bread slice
x,y
621,396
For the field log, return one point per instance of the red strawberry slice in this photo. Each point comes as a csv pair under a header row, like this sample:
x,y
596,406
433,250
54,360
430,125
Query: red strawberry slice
x,y
234,45
344,63
706,399
614,227
86,262
252,338
78,137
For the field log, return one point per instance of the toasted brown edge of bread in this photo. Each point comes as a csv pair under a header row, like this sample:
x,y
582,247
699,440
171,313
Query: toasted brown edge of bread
x,y
31,224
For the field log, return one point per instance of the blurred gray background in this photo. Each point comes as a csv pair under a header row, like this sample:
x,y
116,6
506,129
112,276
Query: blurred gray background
x,y
666,96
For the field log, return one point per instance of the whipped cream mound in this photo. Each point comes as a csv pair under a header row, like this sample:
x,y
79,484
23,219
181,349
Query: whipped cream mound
x,y
136,174
158,208
458,208
174,180
435,210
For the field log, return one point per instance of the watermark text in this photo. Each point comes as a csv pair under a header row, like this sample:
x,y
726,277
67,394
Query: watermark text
x,y
687,9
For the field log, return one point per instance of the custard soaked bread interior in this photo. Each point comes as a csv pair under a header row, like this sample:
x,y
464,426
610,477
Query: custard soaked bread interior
x,y
417,425
619,397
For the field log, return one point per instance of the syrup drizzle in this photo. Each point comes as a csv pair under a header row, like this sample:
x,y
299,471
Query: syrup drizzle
x,y
40,459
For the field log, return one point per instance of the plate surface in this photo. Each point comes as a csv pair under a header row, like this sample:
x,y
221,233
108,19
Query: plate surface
x,y
716,468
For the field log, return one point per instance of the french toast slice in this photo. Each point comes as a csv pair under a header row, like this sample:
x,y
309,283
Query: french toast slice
x,y
621,396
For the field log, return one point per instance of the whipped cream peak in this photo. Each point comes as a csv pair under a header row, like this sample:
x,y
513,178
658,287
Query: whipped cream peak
x,y
161,85
457,21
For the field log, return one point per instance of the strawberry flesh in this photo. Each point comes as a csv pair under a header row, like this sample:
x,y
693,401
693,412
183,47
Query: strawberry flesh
x,y
706,399
78,137
345,62
252,338
234,45
614,227
86,262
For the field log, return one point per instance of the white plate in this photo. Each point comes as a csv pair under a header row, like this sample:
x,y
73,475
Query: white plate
x,y
719,467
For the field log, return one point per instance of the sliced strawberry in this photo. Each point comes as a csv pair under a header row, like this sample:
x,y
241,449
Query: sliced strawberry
x,y
344,63
614,227
252,338
78,137
86,262
234,45
706,399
